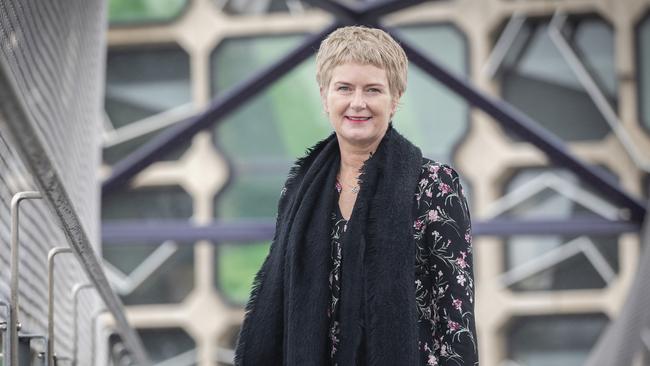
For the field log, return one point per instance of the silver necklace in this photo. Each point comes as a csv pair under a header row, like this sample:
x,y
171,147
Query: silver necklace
x,y
353,189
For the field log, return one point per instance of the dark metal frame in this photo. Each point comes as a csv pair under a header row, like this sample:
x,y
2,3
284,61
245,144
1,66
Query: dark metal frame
x,y
502,112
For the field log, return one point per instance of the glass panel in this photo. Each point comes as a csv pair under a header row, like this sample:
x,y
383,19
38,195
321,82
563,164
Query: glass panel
x,y
236,268
148,282
431,116
141,83
236,7
554,340
141,11
542,84
644,70
169,202
272,143
172,279
167,343
547,194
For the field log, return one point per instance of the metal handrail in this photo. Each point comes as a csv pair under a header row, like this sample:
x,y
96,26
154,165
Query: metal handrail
x,y
21,127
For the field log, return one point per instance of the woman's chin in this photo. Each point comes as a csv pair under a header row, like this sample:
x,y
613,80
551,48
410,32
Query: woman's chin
x,y
357,137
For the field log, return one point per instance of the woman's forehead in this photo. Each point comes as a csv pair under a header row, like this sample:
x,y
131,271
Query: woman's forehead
x,y
359,73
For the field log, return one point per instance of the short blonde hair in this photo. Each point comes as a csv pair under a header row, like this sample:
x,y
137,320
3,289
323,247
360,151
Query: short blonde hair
x,y
366,46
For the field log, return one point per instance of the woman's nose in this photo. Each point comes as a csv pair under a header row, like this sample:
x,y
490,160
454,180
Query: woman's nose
x,y
358,102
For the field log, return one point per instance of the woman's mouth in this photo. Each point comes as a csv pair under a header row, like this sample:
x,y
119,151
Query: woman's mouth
x,y
357,119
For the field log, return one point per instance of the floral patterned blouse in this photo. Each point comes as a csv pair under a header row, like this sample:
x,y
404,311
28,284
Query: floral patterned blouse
x,y
444,282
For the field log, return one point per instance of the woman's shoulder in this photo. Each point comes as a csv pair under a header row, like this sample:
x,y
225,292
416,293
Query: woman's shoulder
x,y
437,181
432,170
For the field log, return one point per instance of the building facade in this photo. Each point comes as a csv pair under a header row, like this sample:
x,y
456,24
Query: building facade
x,y
580,68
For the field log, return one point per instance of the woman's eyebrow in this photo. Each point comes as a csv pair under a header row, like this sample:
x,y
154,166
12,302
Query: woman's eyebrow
x,y
367,85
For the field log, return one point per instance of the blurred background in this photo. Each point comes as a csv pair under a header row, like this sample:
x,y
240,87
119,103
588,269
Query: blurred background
x,y
207,104
543,298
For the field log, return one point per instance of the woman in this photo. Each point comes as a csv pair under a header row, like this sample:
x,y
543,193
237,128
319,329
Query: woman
x,y
371,263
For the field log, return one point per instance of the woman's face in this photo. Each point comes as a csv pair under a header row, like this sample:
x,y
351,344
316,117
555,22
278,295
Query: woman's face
x,y
359,104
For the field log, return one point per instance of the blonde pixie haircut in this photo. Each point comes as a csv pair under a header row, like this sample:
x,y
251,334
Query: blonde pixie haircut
x,y
365,46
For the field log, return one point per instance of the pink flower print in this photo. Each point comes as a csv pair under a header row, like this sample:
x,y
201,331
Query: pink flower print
x,y
461,262
461,280
418,224
428,192
433,216
468,238
443,350
447,170
444,188
453,326
432,360
434,168
457,303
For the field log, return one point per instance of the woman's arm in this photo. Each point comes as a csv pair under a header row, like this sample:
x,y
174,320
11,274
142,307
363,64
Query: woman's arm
x,y
449,239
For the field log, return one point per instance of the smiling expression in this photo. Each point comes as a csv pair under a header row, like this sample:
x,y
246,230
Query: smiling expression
x,y
359,104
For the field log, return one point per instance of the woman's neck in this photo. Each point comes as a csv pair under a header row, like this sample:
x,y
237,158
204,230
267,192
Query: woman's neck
x,y
352,159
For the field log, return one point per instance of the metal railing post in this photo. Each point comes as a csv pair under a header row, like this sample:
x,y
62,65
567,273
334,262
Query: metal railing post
x,y
50,299
14,325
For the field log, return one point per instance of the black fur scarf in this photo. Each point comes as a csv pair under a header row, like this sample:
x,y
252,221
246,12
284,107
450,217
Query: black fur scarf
x,y
286,317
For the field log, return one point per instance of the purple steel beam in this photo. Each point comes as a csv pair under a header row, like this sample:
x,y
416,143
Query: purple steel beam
x,y
571,226
184,231
144,156
514,120
251,230
365,13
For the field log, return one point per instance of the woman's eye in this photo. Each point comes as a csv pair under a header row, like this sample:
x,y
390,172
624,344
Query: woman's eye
x,y
343,88
374,90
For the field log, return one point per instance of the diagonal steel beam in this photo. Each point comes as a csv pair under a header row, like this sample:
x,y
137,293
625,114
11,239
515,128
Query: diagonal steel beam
x,y
514,120
363,14
137,161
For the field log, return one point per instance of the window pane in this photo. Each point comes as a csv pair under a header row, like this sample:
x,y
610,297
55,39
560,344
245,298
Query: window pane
x,y
431,116
166,343
542,84
554,340
141,83
170,202
644,70
276,126
547,194
141,11
170,281
261,6
236,268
